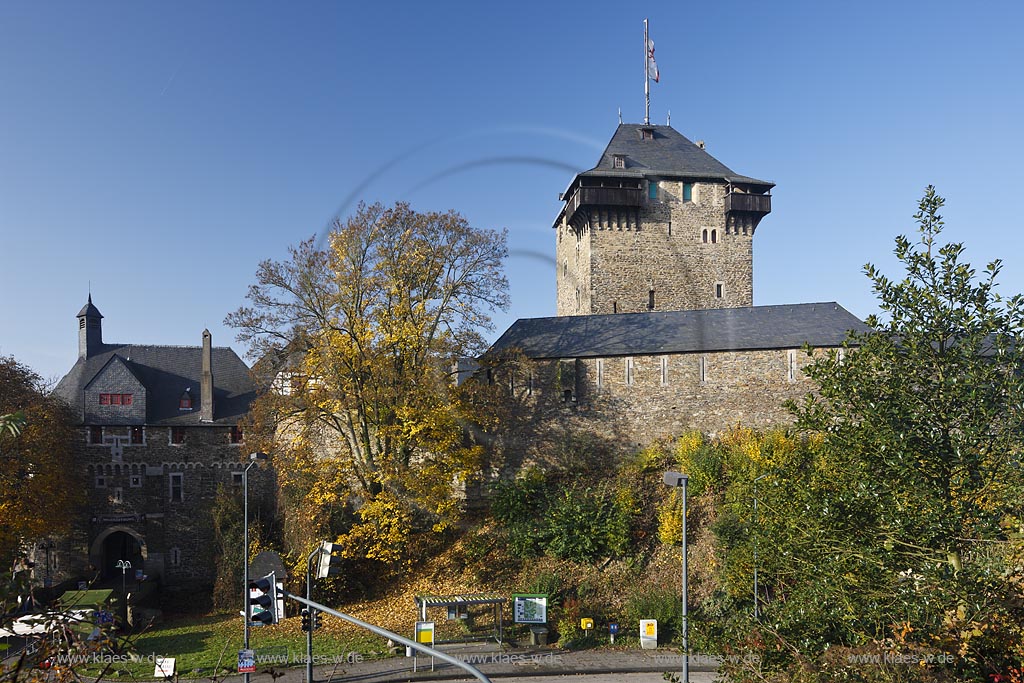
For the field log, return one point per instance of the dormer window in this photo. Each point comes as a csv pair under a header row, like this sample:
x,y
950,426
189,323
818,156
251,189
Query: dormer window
x,y
646,133
619,161
185,401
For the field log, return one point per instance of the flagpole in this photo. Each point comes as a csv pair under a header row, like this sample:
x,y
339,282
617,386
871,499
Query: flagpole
x,y
647,81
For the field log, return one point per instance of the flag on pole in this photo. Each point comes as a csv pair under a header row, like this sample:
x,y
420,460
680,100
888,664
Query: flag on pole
x,y
652,66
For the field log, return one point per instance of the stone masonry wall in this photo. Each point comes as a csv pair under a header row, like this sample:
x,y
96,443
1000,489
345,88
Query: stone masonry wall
x,y
129,488
709,392
680,249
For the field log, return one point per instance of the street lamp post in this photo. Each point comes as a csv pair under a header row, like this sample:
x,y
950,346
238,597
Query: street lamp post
x,y
677,480
312,614
756,534
124,566
48,546
253,458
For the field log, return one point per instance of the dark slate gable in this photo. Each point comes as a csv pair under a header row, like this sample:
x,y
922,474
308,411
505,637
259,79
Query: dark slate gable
x,y
667,332
166,372
669,154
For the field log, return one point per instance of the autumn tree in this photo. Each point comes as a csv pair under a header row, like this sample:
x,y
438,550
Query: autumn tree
x,y
38,483
359,338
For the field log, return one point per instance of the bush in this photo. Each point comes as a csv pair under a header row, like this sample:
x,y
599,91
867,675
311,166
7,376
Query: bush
x,y
663,604
572,523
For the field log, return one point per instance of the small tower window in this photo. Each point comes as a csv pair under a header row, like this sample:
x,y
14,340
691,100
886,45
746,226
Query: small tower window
x,y
714,236
177,436
791,365
615,307
719,290
702,369
652,189
650,300
176,481
704,235
95,434
687,192
600,374
664,370
629,372
236,435
138,436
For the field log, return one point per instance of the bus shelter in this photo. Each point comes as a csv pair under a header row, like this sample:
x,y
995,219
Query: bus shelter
x,y
458,606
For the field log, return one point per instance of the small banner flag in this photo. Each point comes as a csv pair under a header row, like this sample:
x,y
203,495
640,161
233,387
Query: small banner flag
x,y
652,66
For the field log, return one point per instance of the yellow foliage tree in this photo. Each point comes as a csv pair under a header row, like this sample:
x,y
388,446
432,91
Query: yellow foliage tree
x,y
360,339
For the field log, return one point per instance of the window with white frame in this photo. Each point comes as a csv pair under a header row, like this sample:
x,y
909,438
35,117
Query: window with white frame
x,y
600,374
629,372
664,370
135,481
791,365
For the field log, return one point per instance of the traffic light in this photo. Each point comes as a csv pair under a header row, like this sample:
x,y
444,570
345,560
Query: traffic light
x,y
318,619
263,600
305,620
328,565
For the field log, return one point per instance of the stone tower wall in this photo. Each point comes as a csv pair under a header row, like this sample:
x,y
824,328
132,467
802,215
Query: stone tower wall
x,y
620,260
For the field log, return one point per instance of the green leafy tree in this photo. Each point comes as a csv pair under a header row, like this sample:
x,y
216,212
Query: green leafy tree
x,y
896,527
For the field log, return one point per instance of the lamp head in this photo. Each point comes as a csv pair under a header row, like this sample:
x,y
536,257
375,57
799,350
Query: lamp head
x,y
674,479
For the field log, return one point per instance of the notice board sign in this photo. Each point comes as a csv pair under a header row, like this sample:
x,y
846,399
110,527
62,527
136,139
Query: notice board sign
x,y
246,661
529,608
164,667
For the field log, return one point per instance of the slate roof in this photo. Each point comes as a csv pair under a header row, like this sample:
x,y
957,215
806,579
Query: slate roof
x,y
89,310
166,372
669,154
665,332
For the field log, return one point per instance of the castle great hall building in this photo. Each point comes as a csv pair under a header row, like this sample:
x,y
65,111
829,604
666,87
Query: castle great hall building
x,y
656,332
158,434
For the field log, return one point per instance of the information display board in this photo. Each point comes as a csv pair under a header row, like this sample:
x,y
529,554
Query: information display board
x,y
529,608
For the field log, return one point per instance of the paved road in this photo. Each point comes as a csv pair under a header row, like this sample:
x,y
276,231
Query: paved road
x,y
695,677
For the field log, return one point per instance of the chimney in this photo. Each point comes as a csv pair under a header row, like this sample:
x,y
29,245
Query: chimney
x,y
206,386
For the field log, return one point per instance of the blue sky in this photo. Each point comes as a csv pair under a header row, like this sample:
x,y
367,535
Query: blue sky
x,y
161,150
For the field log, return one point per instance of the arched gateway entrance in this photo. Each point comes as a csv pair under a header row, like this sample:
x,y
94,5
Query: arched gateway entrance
x,y
113,545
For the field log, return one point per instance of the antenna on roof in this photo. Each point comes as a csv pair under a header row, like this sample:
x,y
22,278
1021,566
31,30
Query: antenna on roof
x,y
620,116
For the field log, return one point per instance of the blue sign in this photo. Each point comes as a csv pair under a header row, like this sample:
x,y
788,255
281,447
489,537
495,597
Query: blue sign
x,y
613,628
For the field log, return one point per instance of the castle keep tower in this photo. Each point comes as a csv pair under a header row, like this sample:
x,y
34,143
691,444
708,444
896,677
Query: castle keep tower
x,y
658,225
